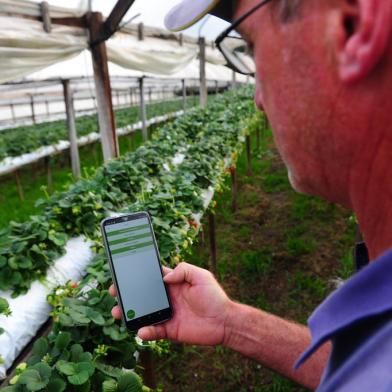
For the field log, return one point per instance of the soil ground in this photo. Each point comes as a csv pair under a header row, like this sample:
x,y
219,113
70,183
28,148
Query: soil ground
x,y
279,251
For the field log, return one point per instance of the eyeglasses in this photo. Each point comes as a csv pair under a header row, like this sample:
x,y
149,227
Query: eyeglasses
x,y
234,48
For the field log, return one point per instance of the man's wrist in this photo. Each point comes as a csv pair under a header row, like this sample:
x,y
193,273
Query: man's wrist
x,y
231,322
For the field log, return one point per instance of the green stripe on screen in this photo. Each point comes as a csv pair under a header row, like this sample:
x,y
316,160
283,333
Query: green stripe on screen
x,y
133,247
128,239
128,230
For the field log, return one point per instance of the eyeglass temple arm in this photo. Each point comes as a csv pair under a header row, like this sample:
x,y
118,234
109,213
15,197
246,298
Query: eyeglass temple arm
x,y
237,22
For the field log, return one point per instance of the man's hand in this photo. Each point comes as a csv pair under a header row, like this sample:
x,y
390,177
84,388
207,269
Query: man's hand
x,y
200,308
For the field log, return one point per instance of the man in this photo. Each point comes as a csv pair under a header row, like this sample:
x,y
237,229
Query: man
x,y
324,78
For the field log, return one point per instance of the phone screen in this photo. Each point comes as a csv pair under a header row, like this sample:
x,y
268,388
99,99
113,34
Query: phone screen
x,y
136,266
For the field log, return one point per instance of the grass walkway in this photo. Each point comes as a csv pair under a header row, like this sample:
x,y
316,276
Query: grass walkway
x,y
279,252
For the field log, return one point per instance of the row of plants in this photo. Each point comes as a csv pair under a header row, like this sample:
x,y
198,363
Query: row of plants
x,y
13,142
4,311
29,248
81,312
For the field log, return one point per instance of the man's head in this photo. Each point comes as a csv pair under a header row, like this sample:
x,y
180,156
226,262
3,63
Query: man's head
x,y
324,76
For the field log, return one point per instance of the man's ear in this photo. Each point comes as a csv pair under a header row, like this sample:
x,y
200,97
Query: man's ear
x,y
366,31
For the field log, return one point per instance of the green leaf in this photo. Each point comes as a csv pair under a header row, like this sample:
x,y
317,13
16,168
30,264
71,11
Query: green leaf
x,y
60,239
85,367
78,355
66,320
40,347
79,378
3,261
4,306
86,387
82,372
62,340
115,333
108,370
37,377
129,382
78,317
65,367
56,385
109,386
33,359
12,388
95,317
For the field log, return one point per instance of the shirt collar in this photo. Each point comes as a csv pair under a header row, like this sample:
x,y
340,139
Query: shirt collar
x,y
368,293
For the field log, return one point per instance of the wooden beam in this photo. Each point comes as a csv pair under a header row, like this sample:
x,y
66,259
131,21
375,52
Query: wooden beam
x,y
110,26
73,139
45,15
140,31
183,94
203,80
71,21
32,109
103,90
143,115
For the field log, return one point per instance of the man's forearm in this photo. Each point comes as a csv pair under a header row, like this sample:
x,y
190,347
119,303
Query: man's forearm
x,y
274,342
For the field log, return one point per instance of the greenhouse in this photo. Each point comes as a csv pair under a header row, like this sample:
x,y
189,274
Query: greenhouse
x,y
184,203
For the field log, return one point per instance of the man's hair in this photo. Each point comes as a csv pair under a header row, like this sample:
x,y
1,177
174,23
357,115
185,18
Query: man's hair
x,y
288,9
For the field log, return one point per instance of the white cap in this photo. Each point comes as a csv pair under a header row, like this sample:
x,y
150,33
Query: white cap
x,y
188,12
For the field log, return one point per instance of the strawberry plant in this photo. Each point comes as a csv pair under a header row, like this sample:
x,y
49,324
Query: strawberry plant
x,y
13,141
120,183
87,349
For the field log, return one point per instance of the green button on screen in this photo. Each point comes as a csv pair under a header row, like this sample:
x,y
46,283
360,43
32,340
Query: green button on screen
x,y
131,314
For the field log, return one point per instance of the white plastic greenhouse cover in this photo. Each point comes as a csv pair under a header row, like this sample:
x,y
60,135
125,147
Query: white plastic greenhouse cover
x,y
26,48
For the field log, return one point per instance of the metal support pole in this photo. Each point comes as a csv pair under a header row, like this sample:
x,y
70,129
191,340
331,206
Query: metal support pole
x,y
47,108
216,87
203,79
19,185
49,174
183,83
73,140
213,253
143,115
248,155
234,79
12,106
103,90
32,109
45,15
140,31
234,188
131,96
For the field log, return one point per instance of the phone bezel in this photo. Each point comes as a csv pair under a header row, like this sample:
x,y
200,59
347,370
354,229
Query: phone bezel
x,y
152,318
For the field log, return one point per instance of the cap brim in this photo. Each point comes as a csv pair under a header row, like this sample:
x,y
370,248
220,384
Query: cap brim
x,y
187,13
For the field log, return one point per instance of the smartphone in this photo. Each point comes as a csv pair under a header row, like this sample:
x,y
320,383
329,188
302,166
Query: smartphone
x,y
137,272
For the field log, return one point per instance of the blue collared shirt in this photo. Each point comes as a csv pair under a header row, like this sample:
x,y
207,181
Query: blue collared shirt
x,y
357,319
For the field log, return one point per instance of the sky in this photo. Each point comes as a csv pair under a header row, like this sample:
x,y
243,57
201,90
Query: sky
x,y
152,14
